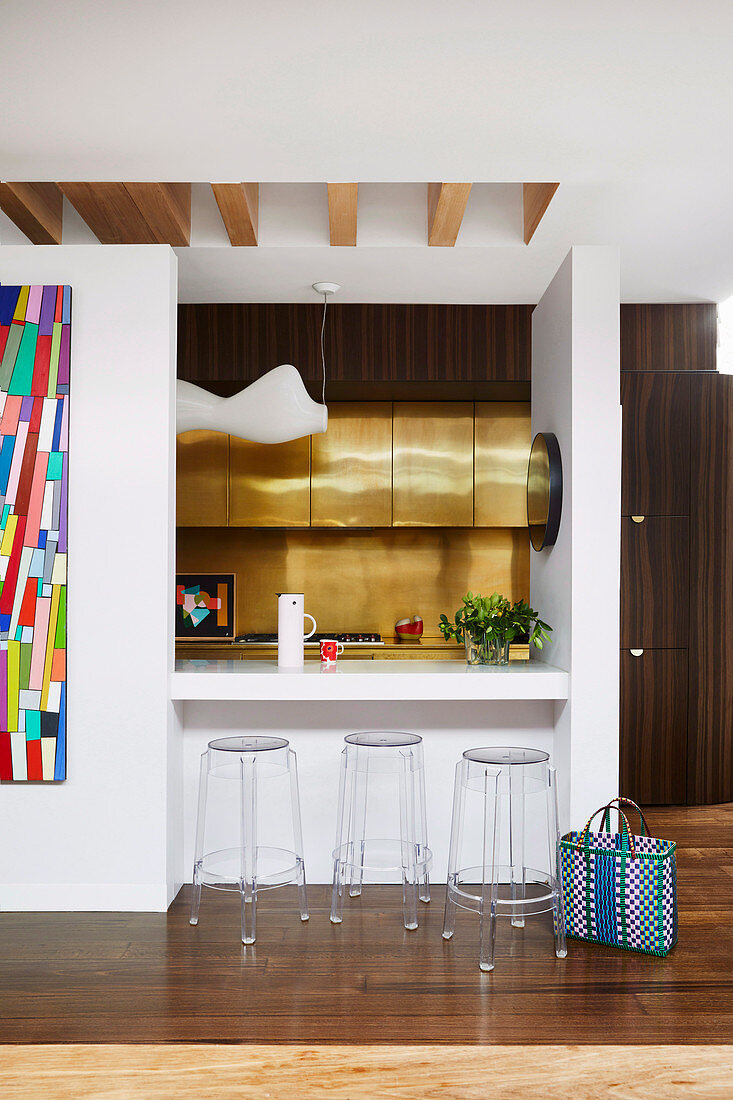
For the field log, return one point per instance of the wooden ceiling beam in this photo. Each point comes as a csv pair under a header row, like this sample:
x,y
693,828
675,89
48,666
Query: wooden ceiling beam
x,y
36,209
342,207
536,199
239,206
134,213
109,211
446,207
166,207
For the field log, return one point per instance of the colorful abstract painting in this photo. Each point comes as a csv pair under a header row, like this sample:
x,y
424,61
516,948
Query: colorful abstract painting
x,y
35,334
205,605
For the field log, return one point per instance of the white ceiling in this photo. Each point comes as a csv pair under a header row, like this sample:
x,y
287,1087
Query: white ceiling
x,y
627,103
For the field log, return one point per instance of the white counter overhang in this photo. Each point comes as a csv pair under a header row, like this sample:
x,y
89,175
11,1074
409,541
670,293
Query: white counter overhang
x,y
366,680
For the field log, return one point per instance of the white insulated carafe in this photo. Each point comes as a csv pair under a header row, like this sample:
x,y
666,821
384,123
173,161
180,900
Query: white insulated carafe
x,y
290,636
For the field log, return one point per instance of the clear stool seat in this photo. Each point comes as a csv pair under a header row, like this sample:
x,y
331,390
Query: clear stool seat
x,y
248,867
393,762
379,739
506,754
513,791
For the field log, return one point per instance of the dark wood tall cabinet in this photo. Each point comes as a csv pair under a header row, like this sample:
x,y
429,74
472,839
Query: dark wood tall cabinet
x,y
710,710
676,712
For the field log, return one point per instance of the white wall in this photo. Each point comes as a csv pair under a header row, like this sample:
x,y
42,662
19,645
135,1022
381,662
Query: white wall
x,y
316,732
575,584
100,839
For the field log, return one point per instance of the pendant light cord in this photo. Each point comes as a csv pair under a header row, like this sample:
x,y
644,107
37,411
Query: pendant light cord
x,y
323,353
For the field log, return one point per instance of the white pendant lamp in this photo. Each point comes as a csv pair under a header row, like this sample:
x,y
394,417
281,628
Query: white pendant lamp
x,y
274,409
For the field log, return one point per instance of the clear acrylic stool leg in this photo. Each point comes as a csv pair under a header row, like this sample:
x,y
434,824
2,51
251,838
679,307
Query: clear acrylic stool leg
x,y
198,852
298,834
424,893
555,863
490,861
407,840
456,835
516,844
248,873
337,891
358,819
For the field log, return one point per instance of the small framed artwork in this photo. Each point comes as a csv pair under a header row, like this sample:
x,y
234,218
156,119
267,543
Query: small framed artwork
x,y
204,606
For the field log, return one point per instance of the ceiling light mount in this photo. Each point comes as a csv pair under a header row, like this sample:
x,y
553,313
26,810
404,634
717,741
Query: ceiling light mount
x,y
325,289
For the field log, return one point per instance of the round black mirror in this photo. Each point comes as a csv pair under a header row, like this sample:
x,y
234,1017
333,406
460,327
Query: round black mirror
x,y
544,490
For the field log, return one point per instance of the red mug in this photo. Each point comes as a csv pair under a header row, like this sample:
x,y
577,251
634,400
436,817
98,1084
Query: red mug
x,y
330,650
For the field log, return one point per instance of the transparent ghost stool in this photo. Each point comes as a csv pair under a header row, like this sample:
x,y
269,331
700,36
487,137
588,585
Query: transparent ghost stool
x,y
513,803
381,772
249,866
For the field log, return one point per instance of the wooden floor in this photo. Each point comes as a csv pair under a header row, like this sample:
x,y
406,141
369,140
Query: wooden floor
x,y
366,1072
144,978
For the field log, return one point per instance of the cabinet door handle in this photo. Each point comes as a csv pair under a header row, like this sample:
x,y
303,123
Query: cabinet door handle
x,y
636,652
638,519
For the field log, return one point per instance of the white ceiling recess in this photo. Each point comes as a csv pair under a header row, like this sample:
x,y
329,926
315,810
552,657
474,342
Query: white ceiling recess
x,y
627,103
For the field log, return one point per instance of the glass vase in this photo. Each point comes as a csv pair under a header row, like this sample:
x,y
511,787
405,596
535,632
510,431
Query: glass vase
x,y
483,650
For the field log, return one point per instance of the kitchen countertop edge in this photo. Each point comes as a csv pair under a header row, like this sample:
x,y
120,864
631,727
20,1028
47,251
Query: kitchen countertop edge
x,y
366,680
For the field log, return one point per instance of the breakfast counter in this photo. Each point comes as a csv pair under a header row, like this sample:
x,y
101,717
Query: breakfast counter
x,y
366,680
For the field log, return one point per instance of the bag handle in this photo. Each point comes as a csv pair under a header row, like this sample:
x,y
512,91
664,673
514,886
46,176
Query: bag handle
x,y
627,802
626,837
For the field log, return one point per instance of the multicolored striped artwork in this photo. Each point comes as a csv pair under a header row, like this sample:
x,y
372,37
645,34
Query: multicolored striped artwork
x,y
35,334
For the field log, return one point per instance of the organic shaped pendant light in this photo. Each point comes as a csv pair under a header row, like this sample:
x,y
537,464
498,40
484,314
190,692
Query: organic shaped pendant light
x,y
274,409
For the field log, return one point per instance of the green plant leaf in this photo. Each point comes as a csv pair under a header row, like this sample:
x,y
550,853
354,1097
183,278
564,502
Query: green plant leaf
x,y
493,618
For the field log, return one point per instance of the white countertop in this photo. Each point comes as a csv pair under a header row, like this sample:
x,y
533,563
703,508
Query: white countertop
x,y
411,679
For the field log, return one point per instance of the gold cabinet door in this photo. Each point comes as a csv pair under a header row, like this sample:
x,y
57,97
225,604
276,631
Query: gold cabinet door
x,y
201,479
269,483
351,473
433,464
503,439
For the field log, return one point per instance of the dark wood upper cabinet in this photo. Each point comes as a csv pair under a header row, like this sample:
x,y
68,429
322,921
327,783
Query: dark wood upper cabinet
x,y
653,722
226,343
432,344
711,592
655,477
654,583
669,337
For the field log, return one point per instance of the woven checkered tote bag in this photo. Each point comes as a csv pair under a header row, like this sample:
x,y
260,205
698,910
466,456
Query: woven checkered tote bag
x,y
620,889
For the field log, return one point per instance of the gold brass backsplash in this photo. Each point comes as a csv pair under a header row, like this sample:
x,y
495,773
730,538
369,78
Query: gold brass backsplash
x,y
359,579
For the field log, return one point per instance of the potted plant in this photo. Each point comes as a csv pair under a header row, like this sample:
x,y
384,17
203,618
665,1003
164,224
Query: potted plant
x,y
488,624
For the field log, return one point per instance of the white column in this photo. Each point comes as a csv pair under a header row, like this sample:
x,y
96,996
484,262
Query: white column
x,y
575,585
100,840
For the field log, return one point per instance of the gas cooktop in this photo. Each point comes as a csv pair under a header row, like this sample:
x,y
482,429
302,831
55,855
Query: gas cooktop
x,y
348,638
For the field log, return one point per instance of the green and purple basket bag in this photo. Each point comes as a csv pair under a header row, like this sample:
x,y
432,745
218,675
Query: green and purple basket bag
x,y
620,889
